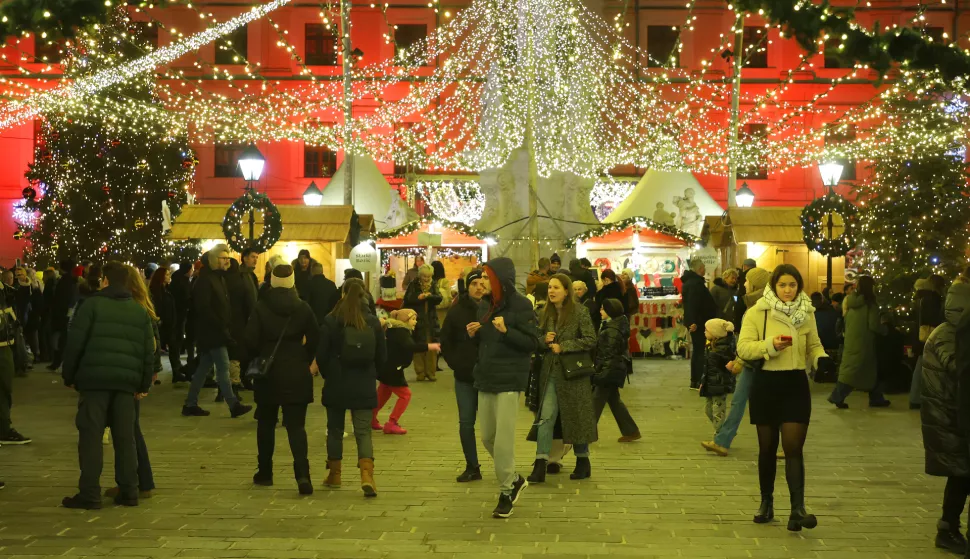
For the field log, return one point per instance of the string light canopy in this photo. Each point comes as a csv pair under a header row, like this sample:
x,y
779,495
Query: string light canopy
x,y
454,200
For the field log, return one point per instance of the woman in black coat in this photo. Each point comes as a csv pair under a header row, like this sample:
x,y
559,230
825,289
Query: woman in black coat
x,y
613,365
423,297
281,317
401,348
164,303
352,348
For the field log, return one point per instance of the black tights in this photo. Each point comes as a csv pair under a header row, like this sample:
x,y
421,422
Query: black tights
x,y
792,437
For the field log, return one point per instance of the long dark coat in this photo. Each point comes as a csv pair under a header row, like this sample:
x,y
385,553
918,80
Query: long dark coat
x,y
427,328
348,387
575,396
401,348
859,365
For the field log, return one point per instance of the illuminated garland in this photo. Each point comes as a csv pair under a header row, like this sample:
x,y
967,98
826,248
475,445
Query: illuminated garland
x,y
638,224
459,252
455,200
387,253
413,226
813,217
232,224
56,19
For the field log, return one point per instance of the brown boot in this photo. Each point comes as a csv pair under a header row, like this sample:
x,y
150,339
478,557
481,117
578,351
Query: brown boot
x,y
366,466
333,477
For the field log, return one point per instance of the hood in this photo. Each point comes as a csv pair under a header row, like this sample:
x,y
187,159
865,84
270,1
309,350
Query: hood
x,y
620,323
504,270
283,300
957,309
395,323
113,292
723,345
297,268
576,269
611,291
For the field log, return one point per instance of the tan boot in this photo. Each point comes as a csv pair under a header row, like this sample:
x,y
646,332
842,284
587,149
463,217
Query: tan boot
x,y
366,466
333,477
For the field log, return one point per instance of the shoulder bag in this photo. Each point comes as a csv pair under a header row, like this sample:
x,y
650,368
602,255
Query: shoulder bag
x,y
259,367
757,365
577,364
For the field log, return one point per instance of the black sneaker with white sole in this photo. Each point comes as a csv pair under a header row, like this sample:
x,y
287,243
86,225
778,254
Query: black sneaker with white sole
x,y
518,485
13,437
504,508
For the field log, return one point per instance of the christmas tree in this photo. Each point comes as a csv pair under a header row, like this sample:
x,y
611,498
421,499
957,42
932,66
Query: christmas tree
x,y
102,185
914,209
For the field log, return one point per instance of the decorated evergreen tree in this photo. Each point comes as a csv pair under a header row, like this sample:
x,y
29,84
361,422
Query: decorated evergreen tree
x,y
102,187
914,209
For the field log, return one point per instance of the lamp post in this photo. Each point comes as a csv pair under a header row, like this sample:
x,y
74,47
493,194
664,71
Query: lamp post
x,y
831,174
744,196
251,163
312,195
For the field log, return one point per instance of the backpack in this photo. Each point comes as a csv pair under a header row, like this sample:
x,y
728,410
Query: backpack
x,y
359,346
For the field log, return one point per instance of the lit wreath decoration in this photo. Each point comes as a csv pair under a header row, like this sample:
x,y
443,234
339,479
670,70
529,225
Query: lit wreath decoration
x,y
239,210
813,217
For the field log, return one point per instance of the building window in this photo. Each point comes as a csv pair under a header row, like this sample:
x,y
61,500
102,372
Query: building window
x,y
47,52
227,160
318,162
754,45
753,133
233,48
937,34
662,46
321,45
409,34
841,136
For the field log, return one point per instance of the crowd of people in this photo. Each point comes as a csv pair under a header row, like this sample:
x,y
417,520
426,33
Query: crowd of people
x,y
564,344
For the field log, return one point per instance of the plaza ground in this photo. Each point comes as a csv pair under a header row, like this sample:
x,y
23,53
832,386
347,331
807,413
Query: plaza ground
x,y
662,496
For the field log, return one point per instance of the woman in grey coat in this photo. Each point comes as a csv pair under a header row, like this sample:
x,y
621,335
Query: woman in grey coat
x,y
858,368
564,327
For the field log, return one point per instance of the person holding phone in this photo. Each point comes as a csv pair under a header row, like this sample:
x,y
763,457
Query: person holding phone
x,y
779,332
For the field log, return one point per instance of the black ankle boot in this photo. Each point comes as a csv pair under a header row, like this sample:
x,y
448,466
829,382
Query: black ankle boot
x,y
471,473
948,537
263,477
538,474
795,475
766,512
583,469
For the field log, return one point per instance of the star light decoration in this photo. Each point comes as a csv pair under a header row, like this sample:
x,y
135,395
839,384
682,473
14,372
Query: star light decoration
x,y
607,193
454,200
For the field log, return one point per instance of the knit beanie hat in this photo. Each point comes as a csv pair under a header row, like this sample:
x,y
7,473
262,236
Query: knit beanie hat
x,y
758,278
403,315
213,255
283,276
718,328
473,275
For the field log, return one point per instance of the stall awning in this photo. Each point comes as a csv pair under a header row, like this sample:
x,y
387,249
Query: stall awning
x,y
621,234
762,225
452,234
300,223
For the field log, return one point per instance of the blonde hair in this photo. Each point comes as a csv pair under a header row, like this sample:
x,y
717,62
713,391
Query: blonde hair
x,y
580,283
139,291
426,270
729,273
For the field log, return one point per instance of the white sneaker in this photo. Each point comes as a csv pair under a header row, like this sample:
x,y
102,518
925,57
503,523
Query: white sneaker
x,y
345,434
106,438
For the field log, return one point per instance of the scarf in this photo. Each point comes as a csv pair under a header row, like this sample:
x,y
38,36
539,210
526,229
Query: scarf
x,y
797,311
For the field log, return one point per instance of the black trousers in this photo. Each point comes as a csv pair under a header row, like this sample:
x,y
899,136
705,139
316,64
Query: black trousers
x,y
171,338
146,481
955,499
294,419
97,409
603,395
188,343
697,340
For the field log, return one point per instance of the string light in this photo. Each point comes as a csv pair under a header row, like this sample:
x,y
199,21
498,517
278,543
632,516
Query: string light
x,y
454,200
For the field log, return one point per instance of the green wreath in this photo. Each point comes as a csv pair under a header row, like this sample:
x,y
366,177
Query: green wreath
x,y
232,224
813,217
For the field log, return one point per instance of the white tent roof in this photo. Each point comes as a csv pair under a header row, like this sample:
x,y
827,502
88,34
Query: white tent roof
x,y
372,192
663,186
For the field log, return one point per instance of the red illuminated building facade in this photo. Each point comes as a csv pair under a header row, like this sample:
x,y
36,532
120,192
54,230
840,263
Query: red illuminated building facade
x,y
291,166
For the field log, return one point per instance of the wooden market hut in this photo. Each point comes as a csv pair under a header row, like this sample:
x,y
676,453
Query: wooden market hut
x,y
324,230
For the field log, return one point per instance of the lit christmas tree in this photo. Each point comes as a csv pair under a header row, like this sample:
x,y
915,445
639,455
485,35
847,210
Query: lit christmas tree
x,y
914,209
103,187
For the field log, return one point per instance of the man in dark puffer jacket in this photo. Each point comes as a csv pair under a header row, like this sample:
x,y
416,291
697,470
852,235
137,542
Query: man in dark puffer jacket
x,y
108,359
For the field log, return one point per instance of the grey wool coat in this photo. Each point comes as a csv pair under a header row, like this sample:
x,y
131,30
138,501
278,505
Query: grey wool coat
x,y
575,396
862,323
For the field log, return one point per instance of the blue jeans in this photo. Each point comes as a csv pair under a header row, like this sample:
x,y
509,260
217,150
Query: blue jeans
x,y
842,391
739,401
219,357
467,397
548,412
917,385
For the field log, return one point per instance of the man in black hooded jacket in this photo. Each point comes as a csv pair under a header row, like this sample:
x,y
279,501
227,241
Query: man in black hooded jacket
x,y
699,307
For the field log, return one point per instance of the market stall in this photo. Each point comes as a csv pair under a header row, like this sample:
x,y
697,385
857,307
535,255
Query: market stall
x,y
657,255
456,245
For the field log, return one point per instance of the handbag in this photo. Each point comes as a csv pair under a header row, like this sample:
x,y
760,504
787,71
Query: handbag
x,y
259,367
577,365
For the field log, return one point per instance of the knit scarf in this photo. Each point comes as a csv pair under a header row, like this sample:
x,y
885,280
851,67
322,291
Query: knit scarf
x,y
797,311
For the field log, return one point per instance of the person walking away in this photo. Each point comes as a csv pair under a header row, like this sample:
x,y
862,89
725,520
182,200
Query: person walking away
x,y
65,297
699,307
858,367
613,367
401,348
779,332
423,297
213,315
30,304
567,330
723,291
461,353
929,310
591,305
302,267
944,440
507,336
181,289
164,303
8,339
540,275
323,294
242,301
718,380
283,332
46,327
351,350
108,359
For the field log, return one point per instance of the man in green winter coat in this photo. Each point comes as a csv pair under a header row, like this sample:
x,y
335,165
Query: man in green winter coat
x,y
109,360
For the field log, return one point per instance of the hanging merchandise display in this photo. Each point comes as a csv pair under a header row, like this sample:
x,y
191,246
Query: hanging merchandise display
x,y
237,217
814,218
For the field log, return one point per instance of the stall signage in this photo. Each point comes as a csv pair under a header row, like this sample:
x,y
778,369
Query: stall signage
x,y
363,257
429,239
708,255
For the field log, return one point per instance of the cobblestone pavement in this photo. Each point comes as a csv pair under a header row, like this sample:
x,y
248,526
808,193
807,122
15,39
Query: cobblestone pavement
x,y
660,497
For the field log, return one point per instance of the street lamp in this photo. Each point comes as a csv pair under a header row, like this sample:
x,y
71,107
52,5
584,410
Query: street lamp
x,y
251,163
831,174
744,196
312,195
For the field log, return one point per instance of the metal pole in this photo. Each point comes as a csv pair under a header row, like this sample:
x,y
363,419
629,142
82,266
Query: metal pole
x,y
530,150
252,215
828,266
735,103
348,103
